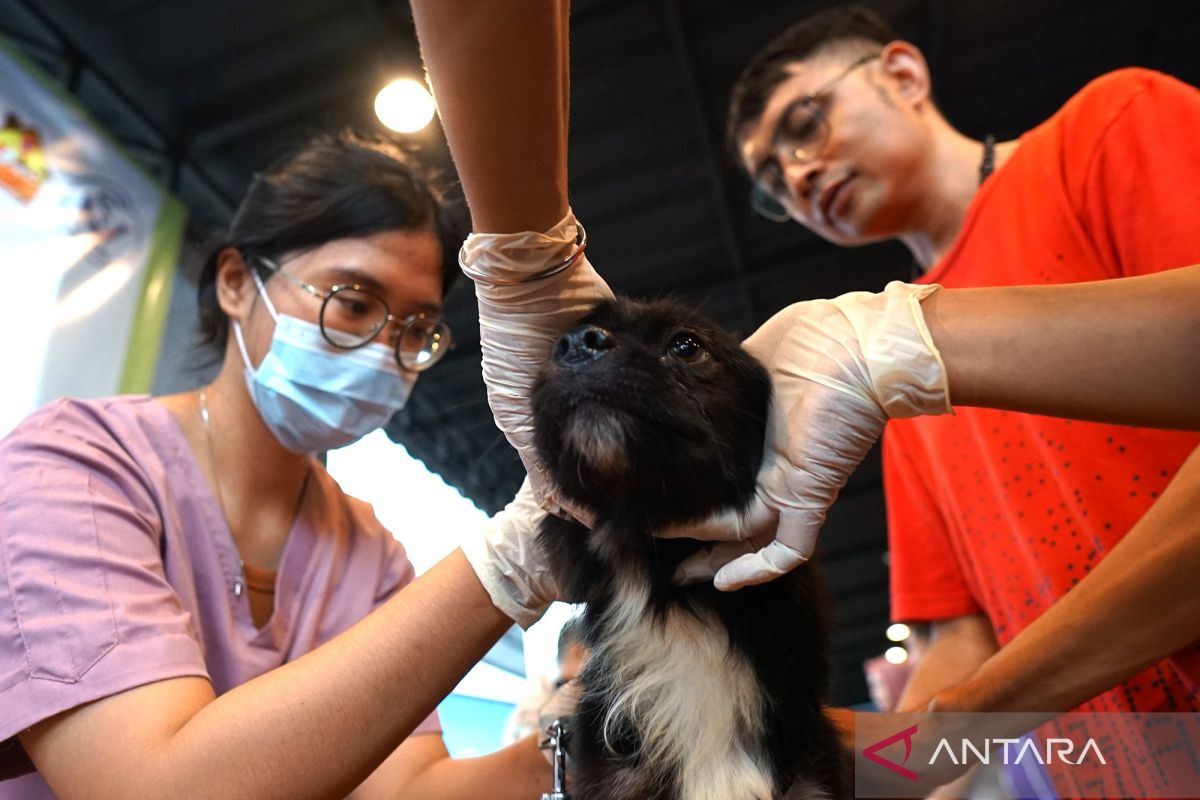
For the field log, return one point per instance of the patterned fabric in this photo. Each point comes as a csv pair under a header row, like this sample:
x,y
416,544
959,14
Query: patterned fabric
x,y
1002,513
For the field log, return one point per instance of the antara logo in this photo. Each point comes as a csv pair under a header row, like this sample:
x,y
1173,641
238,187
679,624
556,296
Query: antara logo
x,y
1057,751
872,752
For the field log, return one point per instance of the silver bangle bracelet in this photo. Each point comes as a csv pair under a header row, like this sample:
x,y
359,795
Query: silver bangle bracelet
x,y
581,244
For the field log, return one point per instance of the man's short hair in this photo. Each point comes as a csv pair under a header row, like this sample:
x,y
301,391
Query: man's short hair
x,y
768,69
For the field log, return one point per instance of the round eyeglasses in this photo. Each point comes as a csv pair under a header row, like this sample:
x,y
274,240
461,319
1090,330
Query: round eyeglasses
x,y
801,135
352,316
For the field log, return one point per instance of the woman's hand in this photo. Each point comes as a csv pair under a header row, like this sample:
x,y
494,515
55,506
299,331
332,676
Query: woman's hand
x,y
508,562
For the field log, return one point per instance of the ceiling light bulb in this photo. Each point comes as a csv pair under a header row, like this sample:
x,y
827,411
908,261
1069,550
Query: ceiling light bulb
x,y
898,632
404,105
896,655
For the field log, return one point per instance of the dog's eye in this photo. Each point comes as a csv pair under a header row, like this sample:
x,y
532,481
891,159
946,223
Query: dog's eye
x,y
686,347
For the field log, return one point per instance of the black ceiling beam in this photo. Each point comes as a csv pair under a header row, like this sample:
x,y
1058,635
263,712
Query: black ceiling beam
x,y
712,157
78,63
242,124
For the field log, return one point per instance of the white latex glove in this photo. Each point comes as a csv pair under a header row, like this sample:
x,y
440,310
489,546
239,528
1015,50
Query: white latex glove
x,y
840,369
505,556
519,321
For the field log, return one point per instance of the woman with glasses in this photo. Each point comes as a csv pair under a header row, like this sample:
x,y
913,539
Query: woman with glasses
x,y
188,594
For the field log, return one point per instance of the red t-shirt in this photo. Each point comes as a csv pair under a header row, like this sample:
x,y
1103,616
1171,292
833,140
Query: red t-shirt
x,y
1002,513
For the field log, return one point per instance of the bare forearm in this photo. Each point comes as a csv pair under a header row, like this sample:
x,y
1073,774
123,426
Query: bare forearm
x,y
958,647
518,772
498,70
1139,605
1125,351
313,728
362,694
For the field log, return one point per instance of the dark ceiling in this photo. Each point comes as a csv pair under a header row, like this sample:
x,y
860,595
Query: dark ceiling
x,y
204,93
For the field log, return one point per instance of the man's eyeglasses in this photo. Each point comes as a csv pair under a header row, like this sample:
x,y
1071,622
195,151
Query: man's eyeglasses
x,y
352,316
800,136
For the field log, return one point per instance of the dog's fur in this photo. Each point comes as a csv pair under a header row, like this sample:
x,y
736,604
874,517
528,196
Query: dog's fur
x,y
648,415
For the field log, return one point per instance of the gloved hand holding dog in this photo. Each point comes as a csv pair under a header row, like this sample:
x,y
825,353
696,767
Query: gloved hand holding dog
x,y
840,369
506,558
531,287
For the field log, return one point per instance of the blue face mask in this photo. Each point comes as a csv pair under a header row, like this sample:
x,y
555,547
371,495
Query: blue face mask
x,y
314,396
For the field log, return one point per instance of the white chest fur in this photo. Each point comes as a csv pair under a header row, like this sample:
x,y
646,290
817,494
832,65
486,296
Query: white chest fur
x,y
694,700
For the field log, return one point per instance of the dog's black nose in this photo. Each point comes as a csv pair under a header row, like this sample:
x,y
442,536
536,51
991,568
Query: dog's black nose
x,y
581,346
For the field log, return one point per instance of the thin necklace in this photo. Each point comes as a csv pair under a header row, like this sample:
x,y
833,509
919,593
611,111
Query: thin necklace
x,y
986,166
989,157
239,580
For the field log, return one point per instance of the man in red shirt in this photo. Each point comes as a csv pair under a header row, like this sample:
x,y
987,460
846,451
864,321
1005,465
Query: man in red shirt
x,y
993,516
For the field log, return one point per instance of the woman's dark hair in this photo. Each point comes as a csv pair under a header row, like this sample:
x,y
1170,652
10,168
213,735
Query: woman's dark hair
x,y
769,67
337,186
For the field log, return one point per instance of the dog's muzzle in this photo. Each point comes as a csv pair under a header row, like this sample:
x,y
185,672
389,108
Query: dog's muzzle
x,y
581,346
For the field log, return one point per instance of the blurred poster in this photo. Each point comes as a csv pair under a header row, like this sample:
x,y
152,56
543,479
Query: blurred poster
x,y
88,245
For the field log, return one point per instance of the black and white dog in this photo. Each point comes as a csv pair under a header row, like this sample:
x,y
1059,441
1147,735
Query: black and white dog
x,y
648,415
